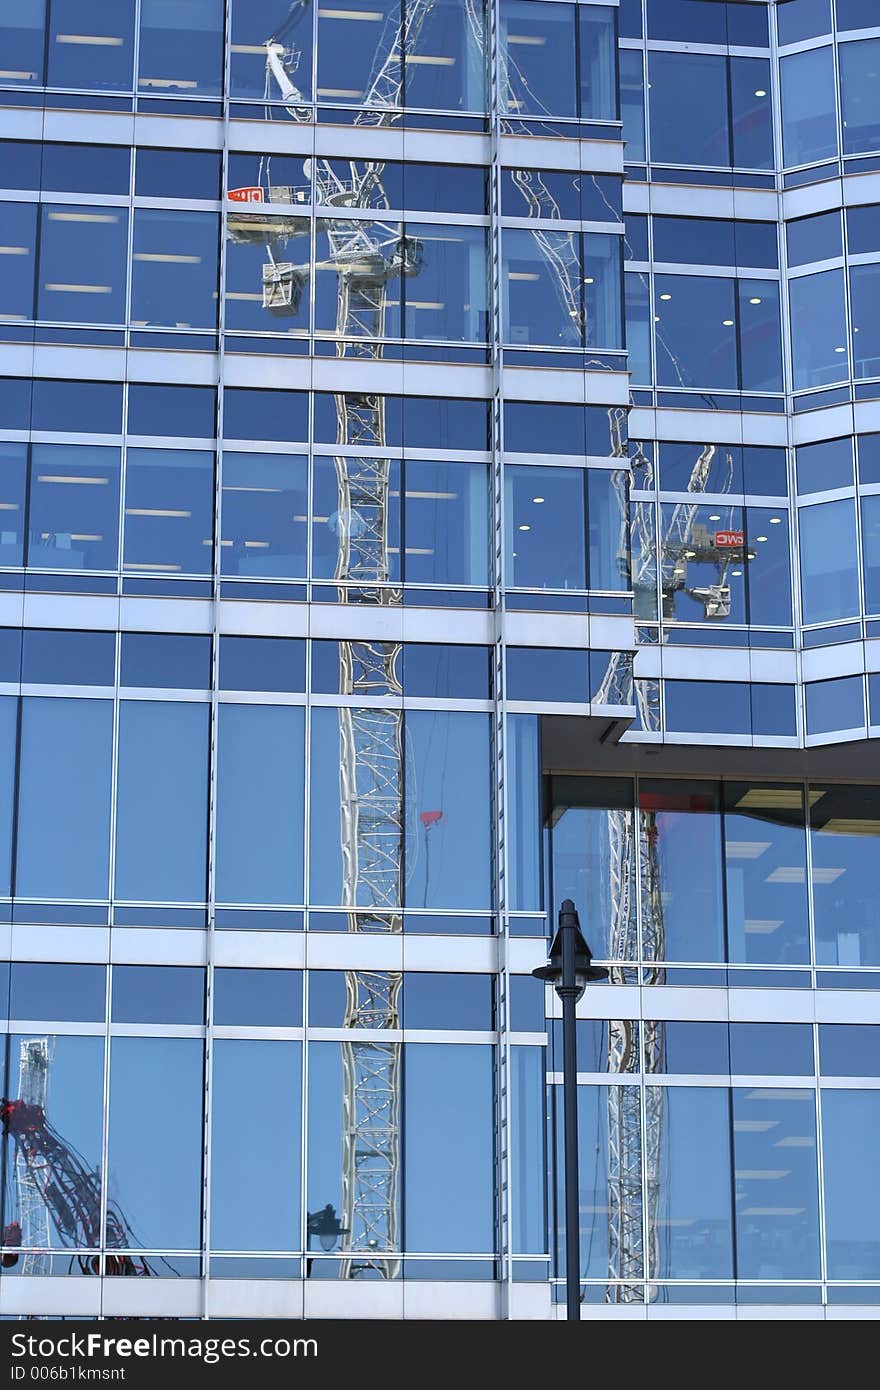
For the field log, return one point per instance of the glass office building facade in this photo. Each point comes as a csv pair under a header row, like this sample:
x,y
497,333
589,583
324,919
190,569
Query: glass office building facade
x,y
440,450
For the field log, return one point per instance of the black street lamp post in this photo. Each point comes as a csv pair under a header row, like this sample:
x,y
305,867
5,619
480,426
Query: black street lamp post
x,y
569,969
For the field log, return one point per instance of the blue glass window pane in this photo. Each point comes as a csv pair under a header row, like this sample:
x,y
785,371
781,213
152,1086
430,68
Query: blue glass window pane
x,y
695,331
546,674
86,168
845,886
818,329
596,62
765,471
80,407
630,19
335,521
591,812
8,741
63,848
524,813
527,1149
757,244
68,658
69,993
538,44
158,994
15,403
156,1169
169,511
82,264
263,998
871,551
541,288
451,862
189,411
74,507
448,1001
782,1242
181,47
262,663
765,851
250,414
708,707
815,238
825,466
802,19
760,340
694,240
869,458
545,527
10,654
74,1109
264,515
632,101
689,108
638,326
809,121
431,422
446,522
850,1134
773,710
447,1131
162,802
448,297
167,660
855,14
835,704
254,23
859,95
863,229
695,21
603,288
91,44
269,1074
635,241
454,31
829,561
695,1049
13,482
864,282
353,46
544,427
174,269
18,262
443,188
769,568
849,1049
608,543
177,174
766,1049
751,121
22,42
747,25
601,1112
684,823
691,1223
445,671
261,804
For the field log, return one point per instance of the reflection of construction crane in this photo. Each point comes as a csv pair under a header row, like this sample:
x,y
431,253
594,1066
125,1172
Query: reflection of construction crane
x,y
366,257
54,1184
684,540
